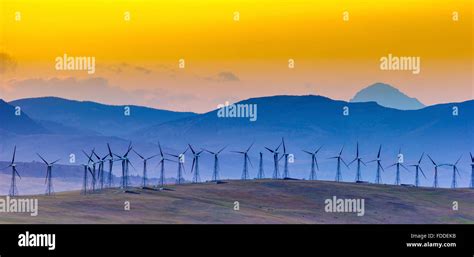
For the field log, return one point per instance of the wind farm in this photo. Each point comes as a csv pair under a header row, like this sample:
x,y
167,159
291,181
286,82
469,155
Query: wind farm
x,y
217,171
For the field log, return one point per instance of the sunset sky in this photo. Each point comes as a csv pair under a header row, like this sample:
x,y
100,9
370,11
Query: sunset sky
x,y
228,60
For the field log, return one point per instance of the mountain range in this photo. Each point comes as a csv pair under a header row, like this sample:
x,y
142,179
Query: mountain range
x,y
388,96
59,127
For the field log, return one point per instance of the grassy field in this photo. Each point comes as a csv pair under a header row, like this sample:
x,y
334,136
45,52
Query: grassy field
x,y
260,201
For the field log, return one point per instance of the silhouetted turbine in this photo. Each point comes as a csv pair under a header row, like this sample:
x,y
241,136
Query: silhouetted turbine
x,y
339,160
245,171
180,157
145,160
398,164
314,163
359,161
195,165
276,172
49,175
435,183
215,172
417,170
13,188
162,166
378,178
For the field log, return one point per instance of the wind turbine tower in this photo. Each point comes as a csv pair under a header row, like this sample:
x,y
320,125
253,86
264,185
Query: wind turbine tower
x,y
245,171
314,163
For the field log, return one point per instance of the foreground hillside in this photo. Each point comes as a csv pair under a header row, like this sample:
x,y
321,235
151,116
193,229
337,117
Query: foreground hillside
x,y
264,201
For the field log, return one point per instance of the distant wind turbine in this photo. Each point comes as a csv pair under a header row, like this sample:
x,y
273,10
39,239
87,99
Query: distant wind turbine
x,y
195,165
314,163
417,170
276,172
454,182
398,164
245,171
436,166
215,173
378,178
261,173
13,189
49,175
162,166
359,161
180,157
286,171
339,160
145,175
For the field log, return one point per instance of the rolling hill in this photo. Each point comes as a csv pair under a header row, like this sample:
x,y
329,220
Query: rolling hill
x,y
387,96
263,201
94,117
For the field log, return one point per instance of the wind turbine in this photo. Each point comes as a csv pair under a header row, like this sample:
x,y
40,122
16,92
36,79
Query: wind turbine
x,y
145,160
417,170
472,171
215,173
435,183
245,171
125,163
454,183
87,169
276,172
286,171
195,165
49,175
180,157
162,166
314,163
13,189
378,179
100,174
359,161
110,178
261,173
398,164
339,160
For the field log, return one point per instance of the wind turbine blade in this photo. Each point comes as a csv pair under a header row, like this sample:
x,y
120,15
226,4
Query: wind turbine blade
x,y
391,165
55,161
269,149
380,149
18,174
177,156
42,159
251,165
279,146
434,163
357,152
403,166
138,154
345,163
129,149
222,149
472,158
352,161
208,151
248,149
129,162
110,151
421,158
316,162
342,149
14,153
307,152
318,149
423,173
192,150
161,150
371,161
284,146
151,157
456,163
283,155
169,160
380,165
237,152
363,163
192,166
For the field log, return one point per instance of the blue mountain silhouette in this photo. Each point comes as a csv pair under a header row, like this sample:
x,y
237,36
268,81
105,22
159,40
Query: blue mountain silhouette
x,y
387,96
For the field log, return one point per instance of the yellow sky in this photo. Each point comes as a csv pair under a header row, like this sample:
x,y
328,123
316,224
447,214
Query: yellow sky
x,y
332,57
